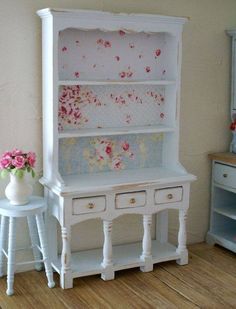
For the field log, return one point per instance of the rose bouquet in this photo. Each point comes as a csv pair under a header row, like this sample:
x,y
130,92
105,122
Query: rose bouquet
x,y
17,162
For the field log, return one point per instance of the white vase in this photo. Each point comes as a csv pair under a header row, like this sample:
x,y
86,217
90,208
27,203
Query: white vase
x,y
18,190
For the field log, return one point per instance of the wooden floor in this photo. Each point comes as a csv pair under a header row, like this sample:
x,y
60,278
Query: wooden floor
x,y
208,281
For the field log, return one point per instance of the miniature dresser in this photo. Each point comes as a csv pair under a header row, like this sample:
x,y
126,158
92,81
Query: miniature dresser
x,y
111,96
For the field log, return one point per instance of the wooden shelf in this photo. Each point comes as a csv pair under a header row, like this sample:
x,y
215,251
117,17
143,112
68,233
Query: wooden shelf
x,y
116,131
123,179
227,211
88,262
225,157
115,82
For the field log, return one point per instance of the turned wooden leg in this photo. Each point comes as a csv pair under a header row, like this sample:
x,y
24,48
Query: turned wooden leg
x,y
107,264
182,236
3,235
35,242
11,256
66,279
44,248
147,244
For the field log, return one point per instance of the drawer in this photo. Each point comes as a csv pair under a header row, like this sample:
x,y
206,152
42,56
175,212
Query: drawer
x,y
168,195
85,205
131,200
225,175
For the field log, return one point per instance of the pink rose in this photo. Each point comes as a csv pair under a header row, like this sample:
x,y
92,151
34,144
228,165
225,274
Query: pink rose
x,y
108,150
5,161
17,152
7,154
19,162
31,158
125,146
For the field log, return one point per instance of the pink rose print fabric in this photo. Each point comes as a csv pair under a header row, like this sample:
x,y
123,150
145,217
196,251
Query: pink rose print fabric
x,y
115,55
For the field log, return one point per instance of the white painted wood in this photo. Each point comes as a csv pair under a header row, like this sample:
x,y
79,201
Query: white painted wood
x,y
66,279
107,264
224,175
36,207
3,233
182,237
226,210
147,244
110,82
44,248
34,241
222,218
86,263
78,184
127,200
11,256
169,195
75,196
116,131
88,204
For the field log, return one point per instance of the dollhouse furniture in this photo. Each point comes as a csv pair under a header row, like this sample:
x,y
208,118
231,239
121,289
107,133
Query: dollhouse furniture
x,y
223,193
111,98
34,213
223,189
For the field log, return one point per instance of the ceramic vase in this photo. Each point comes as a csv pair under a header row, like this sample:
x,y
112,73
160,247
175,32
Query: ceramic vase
x,y
18,190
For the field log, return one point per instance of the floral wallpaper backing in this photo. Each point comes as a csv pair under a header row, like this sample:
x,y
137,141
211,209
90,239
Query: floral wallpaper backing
x,y
110,106
117,55
96,154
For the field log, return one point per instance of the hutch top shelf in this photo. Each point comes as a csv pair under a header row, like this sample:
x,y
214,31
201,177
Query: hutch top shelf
x,y
111,95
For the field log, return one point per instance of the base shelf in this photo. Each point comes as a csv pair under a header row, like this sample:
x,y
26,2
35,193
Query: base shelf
x,y
85,263
226,239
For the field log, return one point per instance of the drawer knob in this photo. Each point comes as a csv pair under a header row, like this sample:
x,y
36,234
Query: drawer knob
x,y
132,200
90,205
225,175
170,196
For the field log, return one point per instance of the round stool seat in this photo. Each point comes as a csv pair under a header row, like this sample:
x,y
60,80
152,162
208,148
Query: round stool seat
x,y
35,206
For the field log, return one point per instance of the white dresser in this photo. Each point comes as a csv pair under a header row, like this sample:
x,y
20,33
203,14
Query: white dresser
x,y
111,98
223,196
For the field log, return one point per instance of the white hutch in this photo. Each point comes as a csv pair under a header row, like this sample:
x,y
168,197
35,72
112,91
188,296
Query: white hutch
x,y
111,96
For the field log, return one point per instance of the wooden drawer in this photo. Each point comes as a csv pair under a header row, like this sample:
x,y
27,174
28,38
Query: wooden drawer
x,y
168,195
225,175
85,205
131,200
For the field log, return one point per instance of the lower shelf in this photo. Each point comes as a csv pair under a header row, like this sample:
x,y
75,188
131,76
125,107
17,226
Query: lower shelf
x,y
85,263
226,239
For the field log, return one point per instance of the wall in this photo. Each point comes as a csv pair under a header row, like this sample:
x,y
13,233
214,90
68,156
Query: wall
x,y
205,93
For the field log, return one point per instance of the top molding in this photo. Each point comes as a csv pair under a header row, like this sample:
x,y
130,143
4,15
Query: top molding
x,y
107,15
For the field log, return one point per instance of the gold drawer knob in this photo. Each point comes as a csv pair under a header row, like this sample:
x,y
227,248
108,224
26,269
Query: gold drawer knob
x,y
90,205
170,196
225,175
132,200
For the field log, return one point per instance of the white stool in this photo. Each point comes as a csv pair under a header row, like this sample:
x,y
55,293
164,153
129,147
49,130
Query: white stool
x,y
34,213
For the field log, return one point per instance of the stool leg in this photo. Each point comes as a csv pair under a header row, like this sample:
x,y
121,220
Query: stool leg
x,y
44,247
3,233
11,256
35,242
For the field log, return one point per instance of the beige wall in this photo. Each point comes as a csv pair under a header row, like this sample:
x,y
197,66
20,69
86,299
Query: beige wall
x,y
205,91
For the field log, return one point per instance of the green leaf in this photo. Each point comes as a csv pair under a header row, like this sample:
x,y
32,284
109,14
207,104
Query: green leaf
x,y
19,173
33,173
14,171
4,173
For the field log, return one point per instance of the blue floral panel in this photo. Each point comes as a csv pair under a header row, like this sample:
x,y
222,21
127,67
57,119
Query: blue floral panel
x,y
109,153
